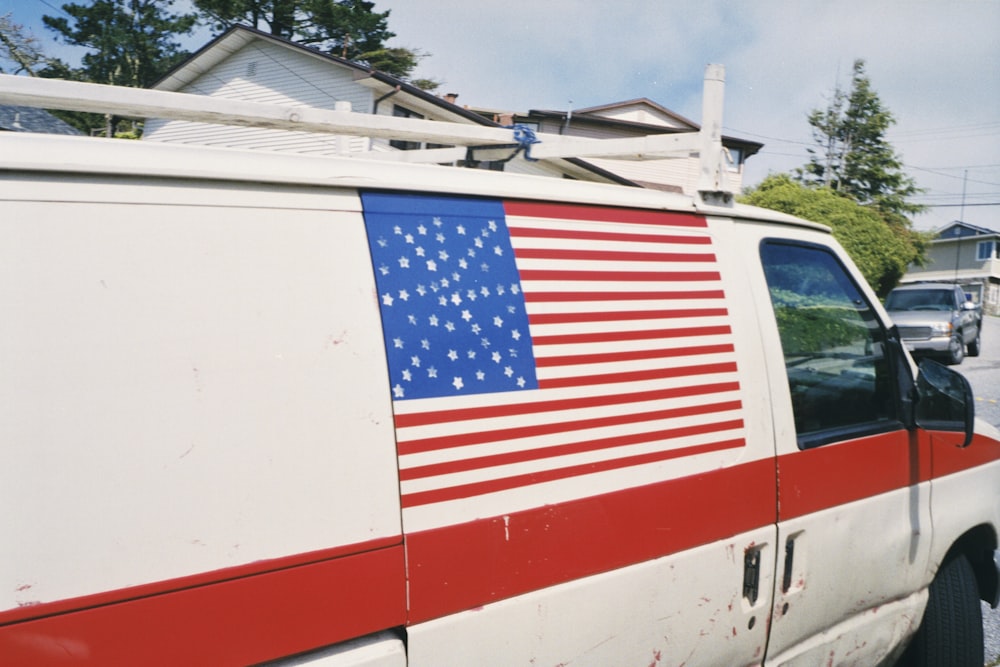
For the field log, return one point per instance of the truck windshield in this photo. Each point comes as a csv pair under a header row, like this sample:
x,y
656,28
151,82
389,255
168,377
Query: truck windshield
x,y
920,300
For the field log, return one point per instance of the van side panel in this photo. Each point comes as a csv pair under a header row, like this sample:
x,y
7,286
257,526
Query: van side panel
x,y
567,403
193,395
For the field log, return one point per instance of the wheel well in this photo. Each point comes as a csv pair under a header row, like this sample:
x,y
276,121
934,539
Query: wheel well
x,y
978,545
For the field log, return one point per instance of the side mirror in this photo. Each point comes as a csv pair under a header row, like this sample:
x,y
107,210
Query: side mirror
x,y
968,305
944,400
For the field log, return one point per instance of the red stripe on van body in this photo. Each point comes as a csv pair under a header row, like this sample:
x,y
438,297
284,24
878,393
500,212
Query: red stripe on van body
x,y
839,473
279,607
460,567
948,456
222,621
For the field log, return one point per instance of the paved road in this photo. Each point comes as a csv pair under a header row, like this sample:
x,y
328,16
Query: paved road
x,y
983,373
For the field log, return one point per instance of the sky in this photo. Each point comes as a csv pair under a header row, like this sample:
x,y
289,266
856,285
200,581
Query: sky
x,y
935,65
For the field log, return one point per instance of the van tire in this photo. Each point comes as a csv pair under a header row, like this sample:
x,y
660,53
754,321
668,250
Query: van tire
x,y
952,630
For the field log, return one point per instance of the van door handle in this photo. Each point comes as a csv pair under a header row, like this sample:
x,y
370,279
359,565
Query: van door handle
x,y
751,575
786,579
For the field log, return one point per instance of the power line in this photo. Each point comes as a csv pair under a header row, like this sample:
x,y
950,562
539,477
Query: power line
x,y
995,203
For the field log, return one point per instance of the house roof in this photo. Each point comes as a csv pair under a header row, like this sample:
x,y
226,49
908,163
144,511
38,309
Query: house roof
x,y
638,102
591,117
29,119
232,40
962,230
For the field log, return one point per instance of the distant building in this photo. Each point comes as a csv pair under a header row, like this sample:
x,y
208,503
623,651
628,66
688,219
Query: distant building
x,y
250,65
28,119
967,255
636,118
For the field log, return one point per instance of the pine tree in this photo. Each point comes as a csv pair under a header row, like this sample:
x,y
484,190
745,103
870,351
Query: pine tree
x,y
130,42
350,29
852,155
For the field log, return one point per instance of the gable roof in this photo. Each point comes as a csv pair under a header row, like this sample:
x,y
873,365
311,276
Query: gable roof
x,y
643,105
960,230
29,119
656,119
236,38
212,54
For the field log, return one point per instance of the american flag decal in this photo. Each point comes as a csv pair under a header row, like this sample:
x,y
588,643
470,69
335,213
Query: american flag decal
x,y
586,343
452,309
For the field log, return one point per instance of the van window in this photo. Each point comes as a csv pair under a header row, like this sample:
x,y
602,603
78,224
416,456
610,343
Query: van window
x,y
834,347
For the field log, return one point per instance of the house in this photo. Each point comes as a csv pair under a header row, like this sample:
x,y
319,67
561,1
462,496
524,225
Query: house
x,y
247,64
964,254
28,119
635,118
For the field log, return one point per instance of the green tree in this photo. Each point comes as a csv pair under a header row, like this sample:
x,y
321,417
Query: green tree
x,y
880,252
852,155
129,42
351,29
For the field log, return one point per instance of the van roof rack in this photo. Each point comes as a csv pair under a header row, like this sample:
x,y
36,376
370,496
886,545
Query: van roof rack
x,y
482,141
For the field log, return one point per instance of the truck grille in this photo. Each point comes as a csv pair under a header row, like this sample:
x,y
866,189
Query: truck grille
x,y
915,333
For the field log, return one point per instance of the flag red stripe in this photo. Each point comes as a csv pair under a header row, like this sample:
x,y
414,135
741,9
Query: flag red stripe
x,y
615,336
632,355
505,483
613,316
545,297
478,438
555,405
578,234
635,376
602,213
620,276
611,256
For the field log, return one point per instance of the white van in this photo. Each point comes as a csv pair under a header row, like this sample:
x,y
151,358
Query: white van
x,y
320,411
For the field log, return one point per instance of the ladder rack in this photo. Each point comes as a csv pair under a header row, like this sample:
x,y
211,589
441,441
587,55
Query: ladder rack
x,y
483,140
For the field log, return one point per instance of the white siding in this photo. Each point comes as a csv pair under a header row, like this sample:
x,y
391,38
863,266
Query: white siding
x,y
268,73
641,113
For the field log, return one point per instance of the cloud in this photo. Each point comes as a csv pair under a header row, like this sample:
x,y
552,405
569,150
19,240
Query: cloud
x,y
933,64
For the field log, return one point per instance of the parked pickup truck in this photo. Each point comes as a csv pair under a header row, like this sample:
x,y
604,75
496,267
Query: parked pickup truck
x,y
936,319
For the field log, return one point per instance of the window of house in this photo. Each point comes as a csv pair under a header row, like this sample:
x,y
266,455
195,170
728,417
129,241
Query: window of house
x,y
834,346
736,157
984,250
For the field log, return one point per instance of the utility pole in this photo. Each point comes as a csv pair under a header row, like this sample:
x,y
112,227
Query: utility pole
x,y
961,218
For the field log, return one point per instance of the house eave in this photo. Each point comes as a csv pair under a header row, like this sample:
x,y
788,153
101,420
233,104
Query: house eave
x,y
749,147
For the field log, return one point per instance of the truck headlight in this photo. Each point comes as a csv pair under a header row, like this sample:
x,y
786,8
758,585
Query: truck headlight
x,y
942,328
